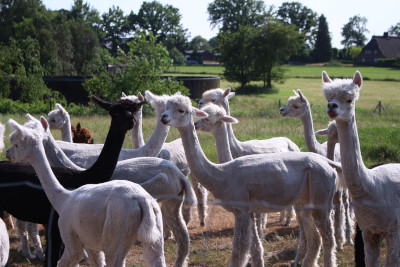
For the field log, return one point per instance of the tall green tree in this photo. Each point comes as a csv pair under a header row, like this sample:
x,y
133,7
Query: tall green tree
x,y
303,17
354,31
239,55
323,48
395,30
275,42
199,43
114,27
164,21
230,15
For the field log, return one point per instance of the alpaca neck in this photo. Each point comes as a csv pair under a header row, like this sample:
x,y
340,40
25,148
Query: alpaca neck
x,y
235,145
154,144
222,143
330,150
57,157
105,164
66,134
308,128
137,133
55,192
354,170
206,172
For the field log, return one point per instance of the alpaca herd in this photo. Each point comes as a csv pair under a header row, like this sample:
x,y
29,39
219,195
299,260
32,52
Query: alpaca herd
x,y
98,200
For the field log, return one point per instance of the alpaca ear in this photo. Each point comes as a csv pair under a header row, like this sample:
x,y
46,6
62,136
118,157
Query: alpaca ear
x,y
78,127
140,97
73,129
45,124
322,132
15,126
101,103
325,77
295,93
357,79
228,94
301,95
123,94
30,117
229,119
198,113
59,107
149,95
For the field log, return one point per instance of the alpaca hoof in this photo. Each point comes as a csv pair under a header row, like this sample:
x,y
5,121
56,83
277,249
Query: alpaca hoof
x,y
287,224
294,264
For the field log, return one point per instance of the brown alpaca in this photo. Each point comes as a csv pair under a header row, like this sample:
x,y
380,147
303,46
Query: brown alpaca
x,y
81,134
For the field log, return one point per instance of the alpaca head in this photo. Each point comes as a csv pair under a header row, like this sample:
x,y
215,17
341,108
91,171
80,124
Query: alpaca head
x,y
157,101
41,126
331,132
23,142
122,111
296,107
179,111
138,99
58,118
81,134
216,116
341,95
216,96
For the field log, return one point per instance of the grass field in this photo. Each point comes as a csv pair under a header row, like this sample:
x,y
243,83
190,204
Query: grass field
x,y
259,118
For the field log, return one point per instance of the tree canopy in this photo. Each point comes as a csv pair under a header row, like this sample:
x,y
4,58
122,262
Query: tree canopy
x,y
354,31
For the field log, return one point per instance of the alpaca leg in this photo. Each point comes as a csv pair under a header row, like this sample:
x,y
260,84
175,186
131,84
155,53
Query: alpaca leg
x,y
257,234
372,247
171,210
166,230
95,258
393,249
313,239
324,224
23,246
202,195
301,242
348,216
73,251
33,232
339,219
289,215
54,243
359,255
241,239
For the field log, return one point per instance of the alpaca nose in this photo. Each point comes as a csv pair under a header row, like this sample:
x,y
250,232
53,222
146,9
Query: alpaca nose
x,y
164,118
332,106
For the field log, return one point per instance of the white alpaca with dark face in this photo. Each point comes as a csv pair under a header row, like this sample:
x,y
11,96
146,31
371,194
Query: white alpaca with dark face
x,y
375,192
263,183
107,217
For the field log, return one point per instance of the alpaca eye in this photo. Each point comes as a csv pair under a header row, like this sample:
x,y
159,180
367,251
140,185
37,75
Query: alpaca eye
x,y
212,100
207,120
349,101
181,110
295,107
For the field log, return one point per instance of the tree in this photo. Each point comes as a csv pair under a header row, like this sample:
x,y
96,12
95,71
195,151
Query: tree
x,y
163,21
395,30
199,43
114,28
354,31
275,42
230,15
303,17
323,47
238,55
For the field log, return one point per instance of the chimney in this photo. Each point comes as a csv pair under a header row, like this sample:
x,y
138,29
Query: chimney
x,y
385,34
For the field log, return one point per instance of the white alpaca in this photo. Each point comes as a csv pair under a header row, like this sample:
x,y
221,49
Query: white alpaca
x,y
4,243
263,183
174,152
299,107
107,217
160,178
59,119
375,192
215,123
84,155
238,148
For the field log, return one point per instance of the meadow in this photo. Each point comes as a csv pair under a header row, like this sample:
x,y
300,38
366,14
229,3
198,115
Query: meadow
x,y
259,118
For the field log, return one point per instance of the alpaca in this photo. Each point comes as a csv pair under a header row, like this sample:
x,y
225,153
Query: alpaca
x,y
22,196
299,107
214,123
238,148
4,244
106,217
136,131
84,155
263,183
160,178
374,191
81,134
59,119
174,152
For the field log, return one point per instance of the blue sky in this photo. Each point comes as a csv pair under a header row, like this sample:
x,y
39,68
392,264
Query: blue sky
x,y
380,14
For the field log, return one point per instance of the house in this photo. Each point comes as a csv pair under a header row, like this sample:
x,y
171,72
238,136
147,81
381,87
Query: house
x,y
380,47
201,56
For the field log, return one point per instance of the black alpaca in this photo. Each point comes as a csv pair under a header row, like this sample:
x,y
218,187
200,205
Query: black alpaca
x,y
23,197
